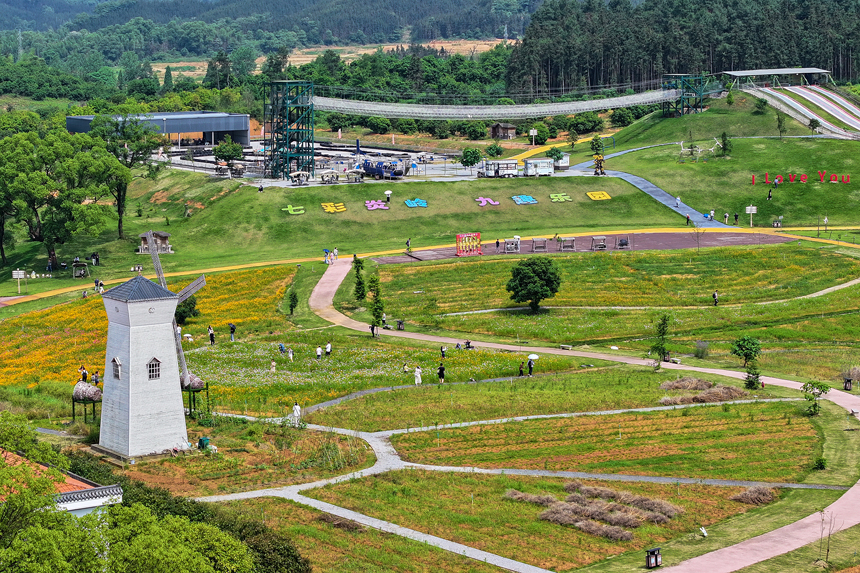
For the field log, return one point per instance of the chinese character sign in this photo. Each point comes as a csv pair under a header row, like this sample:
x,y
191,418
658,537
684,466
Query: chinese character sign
x,y
560,197
375,204
484,201
333,207
598,195
524,199
294,210
415,202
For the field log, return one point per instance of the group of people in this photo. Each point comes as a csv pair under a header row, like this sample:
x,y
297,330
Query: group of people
x,y
417,371
330,256
531,366
84,374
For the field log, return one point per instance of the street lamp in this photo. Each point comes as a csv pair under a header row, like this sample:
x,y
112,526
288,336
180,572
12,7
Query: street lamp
x,y
388,196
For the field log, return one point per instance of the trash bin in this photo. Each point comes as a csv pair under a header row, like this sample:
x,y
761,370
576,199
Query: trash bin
x,y
400,325
202,443
846,384
653,558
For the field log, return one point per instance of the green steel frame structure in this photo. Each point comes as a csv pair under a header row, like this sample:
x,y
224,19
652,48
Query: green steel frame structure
x,y
289,123
692,93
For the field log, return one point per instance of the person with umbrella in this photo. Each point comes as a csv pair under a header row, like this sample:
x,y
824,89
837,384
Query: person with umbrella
x,y
232,331
531,363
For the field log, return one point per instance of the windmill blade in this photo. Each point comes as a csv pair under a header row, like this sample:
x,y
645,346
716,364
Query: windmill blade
x,y
156,262
192,288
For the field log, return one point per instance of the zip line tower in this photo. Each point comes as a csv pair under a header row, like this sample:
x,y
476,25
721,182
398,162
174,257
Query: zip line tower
x,y
289,124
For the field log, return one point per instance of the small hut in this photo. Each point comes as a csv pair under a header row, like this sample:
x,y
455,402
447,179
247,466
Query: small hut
x,y
503,131
162,243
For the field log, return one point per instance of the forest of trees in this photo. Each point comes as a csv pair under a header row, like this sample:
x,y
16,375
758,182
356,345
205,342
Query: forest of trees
x,y
573,43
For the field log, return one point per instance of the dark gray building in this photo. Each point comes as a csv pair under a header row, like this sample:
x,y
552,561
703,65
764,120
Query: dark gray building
x,y
213,124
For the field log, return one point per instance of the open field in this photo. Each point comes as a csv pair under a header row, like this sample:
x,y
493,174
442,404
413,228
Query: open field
x,y
340,546
630,278
754,442
471,509
839,551
603,388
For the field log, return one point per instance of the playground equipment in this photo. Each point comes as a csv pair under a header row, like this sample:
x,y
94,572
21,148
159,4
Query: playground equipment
x,y
469,245
354,176
598,243
539,245
567,244
299,178
622,242
329,176
512,245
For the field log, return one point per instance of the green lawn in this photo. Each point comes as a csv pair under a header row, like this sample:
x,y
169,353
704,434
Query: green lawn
x,y
839,551
756,442
725,184
603,388
630,278
471,509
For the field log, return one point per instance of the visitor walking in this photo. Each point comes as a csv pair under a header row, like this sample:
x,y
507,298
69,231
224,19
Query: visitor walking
x,y
736,218
677,202
328,349
96,378
334,253
372,330
282,348
405,369
497,245
769,194
531,365
384,319
232,331
716,296
290,353
726,218
409,244
83,372
417,375
712,214
272,367
297,413
443,350
441,372
522,371
211,336
319,351
688,219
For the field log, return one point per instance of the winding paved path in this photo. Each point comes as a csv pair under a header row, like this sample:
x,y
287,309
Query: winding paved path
x,y
845,510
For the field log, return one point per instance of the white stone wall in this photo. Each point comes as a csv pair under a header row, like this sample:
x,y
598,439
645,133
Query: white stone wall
x,y
142,416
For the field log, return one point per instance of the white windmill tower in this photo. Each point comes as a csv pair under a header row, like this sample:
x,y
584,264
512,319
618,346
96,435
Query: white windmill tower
x,y
142,409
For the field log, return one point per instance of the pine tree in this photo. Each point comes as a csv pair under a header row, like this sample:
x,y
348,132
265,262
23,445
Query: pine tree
x,y
167,85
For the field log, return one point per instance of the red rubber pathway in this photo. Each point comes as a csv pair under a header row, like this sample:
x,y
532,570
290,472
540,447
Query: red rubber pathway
x,y
845,510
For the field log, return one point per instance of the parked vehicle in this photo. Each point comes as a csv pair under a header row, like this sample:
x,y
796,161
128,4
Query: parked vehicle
x,y
538,167
498,168
385,169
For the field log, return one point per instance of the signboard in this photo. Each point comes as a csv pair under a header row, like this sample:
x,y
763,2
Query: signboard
x,y
532,132
18,274
751,210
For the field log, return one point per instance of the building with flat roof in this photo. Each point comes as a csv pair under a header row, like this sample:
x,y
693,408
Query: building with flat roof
x,y
214,125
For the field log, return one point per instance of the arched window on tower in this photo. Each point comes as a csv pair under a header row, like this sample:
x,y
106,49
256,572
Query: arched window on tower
x,y
117,368
154,369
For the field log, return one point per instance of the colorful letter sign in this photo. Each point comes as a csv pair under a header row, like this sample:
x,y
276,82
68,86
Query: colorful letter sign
x,y
484,201
294,210
415,202
560,197
524,199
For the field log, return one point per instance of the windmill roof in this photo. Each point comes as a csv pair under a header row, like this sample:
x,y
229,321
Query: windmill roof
x,y
138,289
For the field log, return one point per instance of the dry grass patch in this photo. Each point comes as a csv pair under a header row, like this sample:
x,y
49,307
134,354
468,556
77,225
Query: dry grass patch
x,y
687,383
341,523
709,396
756,495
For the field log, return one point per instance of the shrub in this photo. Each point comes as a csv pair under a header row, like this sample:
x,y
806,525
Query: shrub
x,y
755,495
819,463
622,117
407,126
542,133
752,380
494,150
379,125
701,350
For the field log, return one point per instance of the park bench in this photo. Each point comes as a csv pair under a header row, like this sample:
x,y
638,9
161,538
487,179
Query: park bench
x,y
675,360
565,346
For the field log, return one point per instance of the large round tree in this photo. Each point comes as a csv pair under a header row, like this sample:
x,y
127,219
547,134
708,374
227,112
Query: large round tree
x,y
533,280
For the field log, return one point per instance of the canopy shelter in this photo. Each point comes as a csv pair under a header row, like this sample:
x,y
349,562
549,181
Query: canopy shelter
x,y
777,76
80,270
213,125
